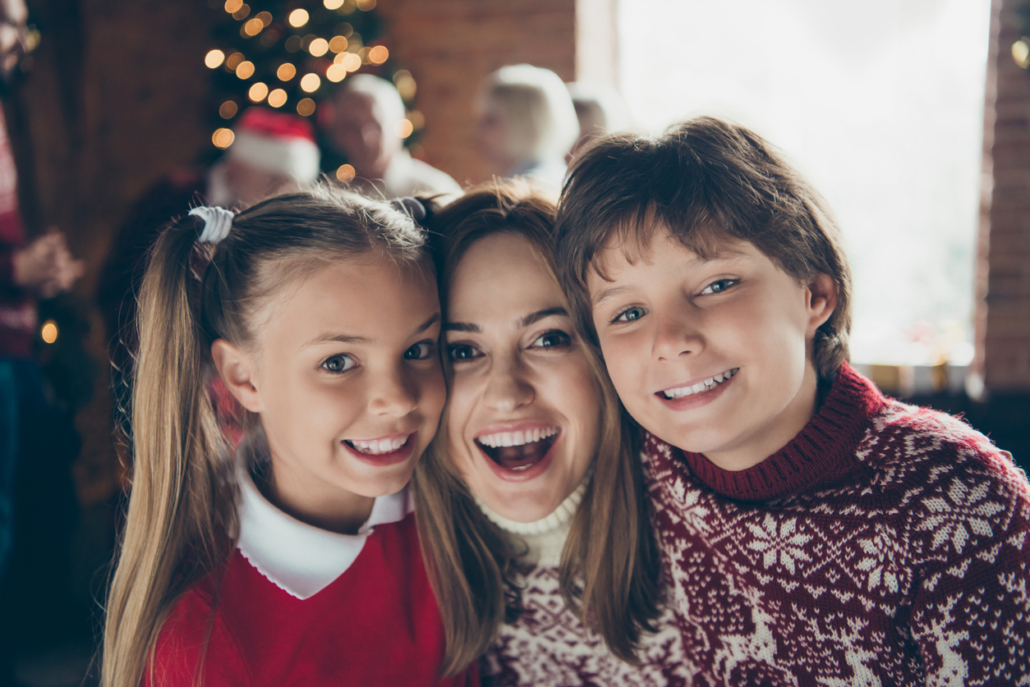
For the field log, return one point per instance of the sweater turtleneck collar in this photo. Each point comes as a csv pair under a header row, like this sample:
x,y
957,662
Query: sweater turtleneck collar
x,y
822,451
561,516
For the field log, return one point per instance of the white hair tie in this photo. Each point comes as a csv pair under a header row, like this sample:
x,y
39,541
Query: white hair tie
x,y
217,223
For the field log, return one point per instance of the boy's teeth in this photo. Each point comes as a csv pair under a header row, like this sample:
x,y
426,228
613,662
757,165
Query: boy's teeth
x,y
705,385
521,438
378,446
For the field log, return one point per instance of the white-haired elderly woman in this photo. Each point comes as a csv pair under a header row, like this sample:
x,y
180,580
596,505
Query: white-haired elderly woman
x,y
526,124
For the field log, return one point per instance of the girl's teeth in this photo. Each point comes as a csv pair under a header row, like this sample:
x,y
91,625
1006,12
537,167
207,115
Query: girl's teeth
x,y
516,438
378,446
706,385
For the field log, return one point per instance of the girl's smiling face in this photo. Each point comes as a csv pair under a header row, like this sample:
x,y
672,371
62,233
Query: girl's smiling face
x,y
523,415
345,374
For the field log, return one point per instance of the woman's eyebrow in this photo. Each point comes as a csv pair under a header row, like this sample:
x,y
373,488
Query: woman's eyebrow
x,y
541,314
462,327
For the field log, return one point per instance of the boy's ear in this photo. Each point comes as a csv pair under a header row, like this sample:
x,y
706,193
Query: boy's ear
x,y
821,297
237,372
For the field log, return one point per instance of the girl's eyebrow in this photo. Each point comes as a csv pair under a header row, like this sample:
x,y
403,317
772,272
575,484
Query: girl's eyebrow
x,y
524,322
337,337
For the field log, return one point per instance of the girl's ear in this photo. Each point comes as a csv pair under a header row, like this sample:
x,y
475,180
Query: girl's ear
x,y
236,369
821,297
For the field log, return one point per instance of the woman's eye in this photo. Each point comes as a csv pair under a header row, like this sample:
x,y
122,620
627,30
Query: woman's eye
x,y
462,352
420,351
630,314
718,286
550,339
338,363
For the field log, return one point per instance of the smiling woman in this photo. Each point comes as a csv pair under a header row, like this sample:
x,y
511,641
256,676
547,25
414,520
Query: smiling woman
x,y
530,503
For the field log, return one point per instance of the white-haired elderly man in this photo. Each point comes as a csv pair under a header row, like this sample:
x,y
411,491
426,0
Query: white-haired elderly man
x,y
526,124
365,127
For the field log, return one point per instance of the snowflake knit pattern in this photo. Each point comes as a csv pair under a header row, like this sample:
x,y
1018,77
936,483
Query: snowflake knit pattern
x,y
885,545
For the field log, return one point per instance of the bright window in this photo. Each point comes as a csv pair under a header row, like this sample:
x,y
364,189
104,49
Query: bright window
x,y
879,103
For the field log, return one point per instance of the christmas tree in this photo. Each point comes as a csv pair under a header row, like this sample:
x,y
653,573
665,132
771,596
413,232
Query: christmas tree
x,y
293,55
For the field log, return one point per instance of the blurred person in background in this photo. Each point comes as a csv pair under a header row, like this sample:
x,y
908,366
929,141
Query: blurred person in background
x,y
526,124
600,110
271,153
30,425
364,125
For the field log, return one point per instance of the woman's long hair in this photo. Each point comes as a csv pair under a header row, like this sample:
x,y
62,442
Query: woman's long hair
x,y
181,517
609,568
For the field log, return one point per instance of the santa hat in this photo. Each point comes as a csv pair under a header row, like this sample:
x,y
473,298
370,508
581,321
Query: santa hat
x,y
276,142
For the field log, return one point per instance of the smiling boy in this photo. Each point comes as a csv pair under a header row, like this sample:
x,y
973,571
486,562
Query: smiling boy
x,y
814,532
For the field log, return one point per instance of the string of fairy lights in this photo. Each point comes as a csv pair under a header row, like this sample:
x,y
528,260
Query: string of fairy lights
x,y
290,55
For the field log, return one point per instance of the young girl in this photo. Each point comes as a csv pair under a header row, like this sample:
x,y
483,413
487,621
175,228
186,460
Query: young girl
x,y
530,500
297,561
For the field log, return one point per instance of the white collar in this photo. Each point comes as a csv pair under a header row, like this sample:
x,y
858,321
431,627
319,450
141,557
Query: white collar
x,y
299,558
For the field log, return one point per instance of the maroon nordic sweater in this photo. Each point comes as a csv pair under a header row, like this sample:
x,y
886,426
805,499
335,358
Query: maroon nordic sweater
x,y
884,545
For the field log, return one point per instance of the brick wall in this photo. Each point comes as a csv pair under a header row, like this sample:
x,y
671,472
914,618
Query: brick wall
x,y
449,46
1003,317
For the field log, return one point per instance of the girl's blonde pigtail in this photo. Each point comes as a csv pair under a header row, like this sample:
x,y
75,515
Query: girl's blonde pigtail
x,y
180,508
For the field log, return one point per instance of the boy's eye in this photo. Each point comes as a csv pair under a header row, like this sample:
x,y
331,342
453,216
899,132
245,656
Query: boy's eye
x,y
630,314
551,339
718,286
460,353
420,351
338,363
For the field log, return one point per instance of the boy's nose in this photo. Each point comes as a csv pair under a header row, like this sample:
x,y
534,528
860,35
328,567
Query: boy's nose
x,y
507,389
675,336
394,394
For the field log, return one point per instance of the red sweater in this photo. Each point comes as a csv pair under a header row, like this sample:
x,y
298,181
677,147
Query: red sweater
x,y
376,624
885,545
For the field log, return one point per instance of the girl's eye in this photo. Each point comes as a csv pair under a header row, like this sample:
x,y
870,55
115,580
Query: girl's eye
x,y
718,286
460,353
339,363
551,339
630,314
420,351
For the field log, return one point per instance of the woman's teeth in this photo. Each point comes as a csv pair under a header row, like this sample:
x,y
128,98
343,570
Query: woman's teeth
x,y
378,446
500,439
706,385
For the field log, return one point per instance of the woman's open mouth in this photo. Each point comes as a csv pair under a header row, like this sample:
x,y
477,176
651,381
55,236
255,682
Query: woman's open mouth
x,y
518,450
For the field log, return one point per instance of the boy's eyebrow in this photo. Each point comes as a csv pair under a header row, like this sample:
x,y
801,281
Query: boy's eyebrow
x,y
433,319
608,294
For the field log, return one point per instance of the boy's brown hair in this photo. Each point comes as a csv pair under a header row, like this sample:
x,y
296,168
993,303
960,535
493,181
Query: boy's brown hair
x,y
704,181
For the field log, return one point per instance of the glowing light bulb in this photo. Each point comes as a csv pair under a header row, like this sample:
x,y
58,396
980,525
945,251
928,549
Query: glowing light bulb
x,y
286,71
335,73
309,83
338,44
298,18
332,4
49,332
1021,52
223,138
228,109
345,173
233,5
257,92
277,98
318,47
245,70
253,27
378,54
213,59
306,107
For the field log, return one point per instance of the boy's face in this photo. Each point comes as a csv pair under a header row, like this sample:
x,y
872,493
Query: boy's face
x,y
712,356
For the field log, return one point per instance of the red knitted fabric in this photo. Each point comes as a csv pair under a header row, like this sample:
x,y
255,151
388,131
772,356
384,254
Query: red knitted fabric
x,y
376,624
885,545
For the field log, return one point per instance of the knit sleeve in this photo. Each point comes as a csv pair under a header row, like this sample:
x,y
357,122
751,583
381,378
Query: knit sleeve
x,y
195,638
971,530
